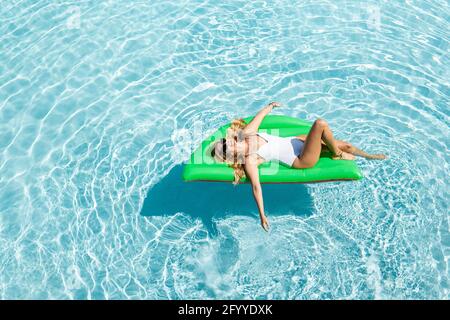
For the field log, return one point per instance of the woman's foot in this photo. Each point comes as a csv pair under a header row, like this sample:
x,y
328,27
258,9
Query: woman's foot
x,y
377,157
341,155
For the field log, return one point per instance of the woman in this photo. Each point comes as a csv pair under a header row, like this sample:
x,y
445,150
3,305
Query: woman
x,y
245,149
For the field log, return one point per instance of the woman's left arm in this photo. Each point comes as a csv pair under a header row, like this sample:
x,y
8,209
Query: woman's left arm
x,y
253,126
251,171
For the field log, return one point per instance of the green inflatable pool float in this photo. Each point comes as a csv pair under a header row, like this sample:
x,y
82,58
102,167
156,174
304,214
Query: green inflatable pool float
x,y
202,167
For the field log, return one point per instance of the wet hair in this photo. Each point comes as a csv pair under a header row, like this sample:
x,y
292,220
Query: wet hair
x,y
236,126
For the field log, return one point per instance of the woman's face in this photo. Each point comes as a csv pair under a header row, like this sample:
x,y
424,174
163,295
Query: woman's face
x,y
230,147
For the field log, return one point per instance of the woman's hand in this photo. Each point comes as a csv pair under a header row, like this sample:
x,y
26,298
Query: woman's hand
x,y
274,104
253,126
265,223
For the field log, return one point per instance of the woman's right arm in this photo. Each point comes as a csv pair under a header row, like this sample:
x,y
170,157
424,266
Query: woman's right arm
x,y
253,126
251,170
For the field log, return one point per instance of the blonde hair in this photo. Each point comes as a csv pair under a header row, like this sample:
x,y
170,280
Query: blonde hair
x,y
235,129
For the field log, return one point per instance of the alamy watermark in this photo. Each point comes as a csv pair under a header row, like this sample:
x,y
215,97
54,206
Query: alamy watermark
x,y
74,17
223,146
374,18
73,281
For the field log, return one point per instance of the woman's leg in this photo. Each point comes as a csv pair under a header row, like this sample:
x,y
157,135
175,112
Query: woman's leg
x,y
324,146
313,145
348,147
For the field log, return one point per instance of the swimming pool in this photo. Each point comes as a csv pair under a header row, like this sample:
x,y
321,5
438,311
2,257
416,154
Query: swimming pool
x,y
98,105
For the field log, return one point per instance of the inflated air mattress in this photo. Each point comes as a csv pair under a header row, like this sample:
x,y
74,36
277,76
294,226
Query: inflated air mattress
x,y
202,167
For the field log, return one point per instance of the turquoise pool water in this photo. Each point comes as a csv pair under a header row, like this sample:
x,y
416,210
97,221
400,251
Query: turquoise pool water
x,y
98,103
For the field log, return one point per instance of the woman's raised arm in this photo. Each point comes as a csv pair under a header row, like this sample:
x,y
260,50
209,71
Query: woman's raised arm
x,y
253,126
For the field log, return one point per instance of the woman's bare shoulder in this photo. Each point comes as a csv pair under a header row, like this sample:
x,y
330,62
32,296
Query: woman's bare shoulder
x,y
253,160
249,131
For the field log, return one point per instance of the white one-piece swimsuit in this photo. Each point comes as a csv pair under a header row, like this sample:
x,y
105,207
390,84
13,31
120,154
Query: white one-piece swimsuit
x,y
283,149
